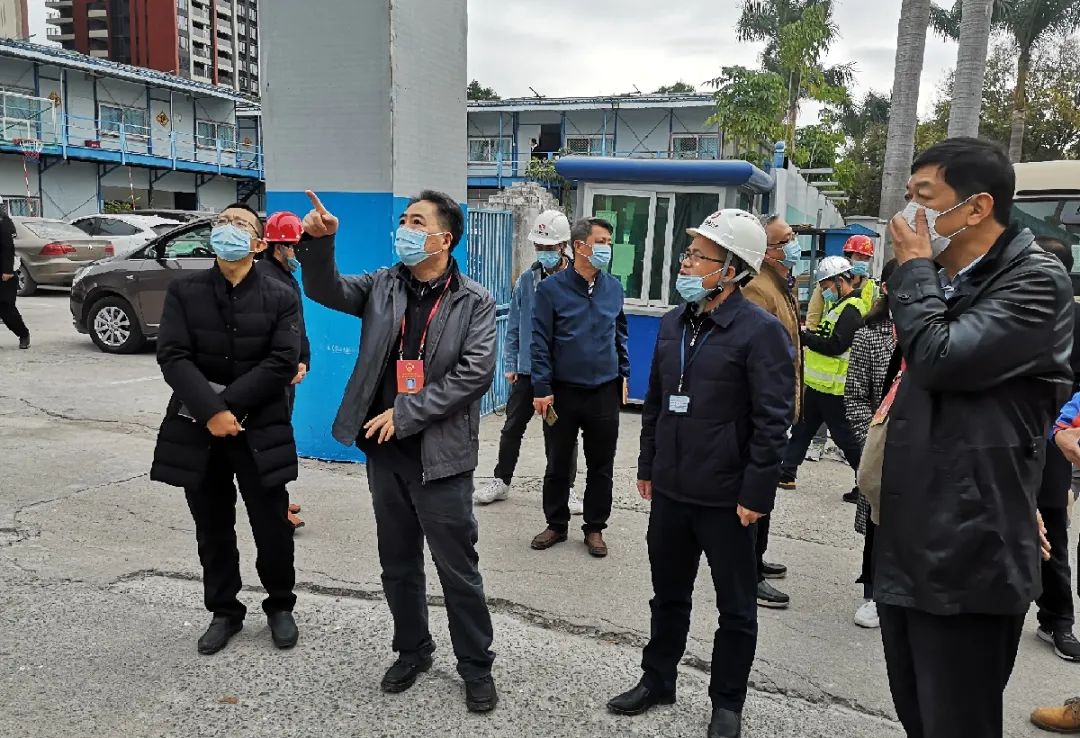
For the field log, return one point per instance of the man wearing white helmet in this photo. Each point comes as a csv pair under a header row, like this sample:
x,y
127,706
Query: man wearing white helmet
x,y
825,370
550,235
713,430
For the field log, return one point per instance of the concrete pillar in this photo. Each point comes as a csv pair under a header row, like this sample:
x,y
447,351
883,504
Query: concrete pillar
x,y
363,102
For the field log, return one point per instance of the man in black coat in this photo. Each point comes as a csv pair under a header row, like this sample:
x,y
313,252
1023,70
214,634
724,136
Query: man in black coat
x,y
9,283
713,430
229,345
1055,605
985,333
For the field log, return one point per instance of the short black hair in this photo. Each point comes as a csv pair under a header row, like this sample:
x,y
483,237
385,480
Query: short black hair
x,y
450,215
583,228
1058,248
253,211
971,166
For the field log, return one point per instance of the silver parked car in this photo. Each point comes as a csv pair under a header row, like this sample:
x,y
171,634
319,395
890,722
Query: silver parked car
x,y
127,231
51,252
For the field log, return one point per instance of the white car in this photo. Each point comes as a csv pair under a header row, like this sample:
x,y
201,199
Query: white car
x,y
127,231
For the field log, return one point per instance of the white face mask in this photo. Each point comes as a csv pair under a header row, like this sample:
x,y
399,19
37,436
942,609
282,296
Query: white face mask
x,y
938,242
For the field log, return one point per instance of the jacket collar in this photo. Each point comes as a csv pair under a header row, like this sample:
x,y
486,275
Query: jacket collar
x,y
248,282
723,314
411,283
1010,244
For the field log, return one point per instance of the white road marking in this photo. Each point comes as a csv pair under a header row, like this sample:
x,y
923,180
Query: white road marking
x,y
137,381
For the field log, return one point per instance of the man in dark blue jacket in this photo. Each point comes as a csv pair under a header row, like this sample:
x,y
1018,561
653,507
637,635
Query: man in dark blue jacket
x,y
579,366
713,430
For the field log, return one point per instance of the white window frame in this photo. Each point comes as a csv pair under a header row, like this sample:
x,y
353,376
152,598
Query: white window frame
x,y
596,144
697,137
216,127
493,146
128,132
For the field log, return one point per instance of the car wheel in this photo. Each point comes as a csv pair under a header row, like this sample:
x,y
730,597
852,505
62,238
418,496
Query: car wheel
x,y
27,285
114,326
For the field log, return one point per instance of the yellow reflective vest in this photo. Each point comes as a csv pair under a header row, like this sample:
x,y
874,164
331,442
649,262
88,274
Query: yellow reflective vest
x,y
828,374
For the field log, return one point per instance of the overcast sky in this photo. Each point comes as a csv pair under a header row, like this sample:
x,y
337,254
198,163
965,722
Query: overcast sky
x,y
605,47
560,48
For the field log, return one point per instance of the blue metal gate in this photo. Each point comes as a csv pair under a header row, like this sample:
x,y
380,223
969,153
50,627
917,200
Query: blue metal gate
x,y
491,263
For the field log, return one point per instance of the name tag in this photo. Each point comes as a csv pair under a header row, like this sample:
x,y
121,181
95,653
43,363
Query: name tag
x,y
410,376
678,404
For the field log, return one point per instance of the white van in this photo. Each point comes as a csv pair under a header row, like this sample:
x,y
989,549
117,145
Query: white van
x,y
1048,202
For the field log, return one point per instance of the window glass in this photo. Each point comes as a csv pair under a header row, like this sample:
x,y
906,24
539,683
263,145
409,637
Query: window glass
x,y
193,244
87,226
656,277
114,227
135,122
630,216
1057,218
691,210
164,228
591,145
485,149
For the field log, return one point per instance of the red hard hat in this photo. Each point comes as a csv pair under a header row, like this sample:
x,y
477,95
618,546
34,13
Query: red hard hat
x,y
284,227
859,245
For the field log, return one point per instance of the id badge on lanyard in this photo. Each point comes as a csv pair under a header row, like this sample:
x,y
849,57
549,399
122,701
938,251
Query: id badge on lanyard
x,y
410,372
679,403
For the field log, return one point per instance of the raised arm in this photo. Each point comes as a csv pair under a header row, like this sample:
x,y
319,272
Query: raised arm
x,y
316,252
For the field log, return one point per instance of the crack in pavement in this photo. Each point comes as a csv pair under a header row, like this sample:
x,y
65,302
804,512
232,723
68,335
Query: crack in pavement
x,y
106,422
614,634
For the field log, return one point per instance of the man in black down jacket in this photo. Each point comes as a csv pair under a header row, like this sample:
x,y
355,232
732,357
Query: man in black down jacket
x,y
713,431
9,282
229,345
412,405
986,341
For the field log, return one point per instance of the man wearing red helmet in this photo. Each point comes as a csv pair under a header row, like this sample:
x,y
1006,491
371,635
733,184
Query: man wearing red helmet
x,y
283,232
859,250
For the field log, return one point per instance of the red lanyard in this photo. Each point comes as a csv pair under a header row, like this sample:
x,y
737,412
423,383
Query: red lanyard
x,y
430,317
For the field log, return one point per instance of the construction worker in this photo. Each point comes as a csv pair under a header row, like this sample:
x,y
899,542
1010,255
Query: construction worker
x,y
283,232
825,369
859,250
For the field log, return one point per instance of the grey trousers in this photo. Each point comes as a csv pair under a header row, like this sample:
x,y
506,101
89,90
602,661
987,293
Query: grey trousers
x,y
406,513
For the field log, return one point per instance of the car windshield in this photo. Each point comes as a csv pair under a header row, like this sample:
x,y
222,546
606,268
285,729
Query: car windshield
x,y
1053,217
53,230
164,228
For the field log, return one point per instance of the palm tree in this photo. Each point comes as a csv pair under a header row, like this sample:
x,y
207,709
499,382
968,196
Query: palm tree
x,y
1029,22
904,108
974,40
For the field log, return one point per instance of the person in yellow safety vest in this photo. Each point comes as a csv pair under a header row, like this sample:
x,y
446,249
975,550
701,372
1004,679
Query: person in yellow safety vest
x,y
859,250
825,369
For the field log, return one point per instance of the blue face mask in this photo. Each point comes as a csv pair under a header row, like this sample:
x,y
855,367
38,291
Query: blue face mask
x,y
829,295
293,263
410,245
792,254
601,255
548,259
230,243
860,268
691,287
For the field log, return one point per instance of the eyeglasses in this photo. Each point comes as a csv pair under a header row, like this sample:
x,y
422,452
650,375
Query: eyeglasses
x,y
224,220
696,257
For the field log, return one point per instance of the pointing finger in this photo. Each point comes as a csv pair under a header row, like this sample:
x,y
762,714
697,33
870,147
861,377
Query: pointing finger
x,y
317,203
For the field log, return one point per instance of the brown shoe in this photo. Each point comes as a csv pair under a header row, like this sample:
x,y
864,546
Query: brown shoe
x,y
595,542
294,508
1064,719
295,521
547,539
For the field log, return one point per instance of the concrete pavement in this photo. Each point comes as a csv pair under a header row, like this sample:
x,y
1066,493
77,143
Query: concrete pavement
x,y
102,605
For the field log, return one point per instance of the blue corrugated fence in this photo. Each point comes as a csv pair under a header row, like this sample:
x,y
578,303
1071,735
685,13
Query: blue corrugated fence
x,y
491,263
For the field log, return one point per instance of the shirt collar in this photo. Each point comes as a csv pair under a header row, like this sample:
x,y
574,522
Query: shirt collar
x,y
949,286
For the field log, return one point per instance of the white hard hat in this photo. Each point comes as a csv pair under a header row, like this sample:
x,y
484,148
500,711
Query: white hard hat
x,y
550,229
737,231
831,266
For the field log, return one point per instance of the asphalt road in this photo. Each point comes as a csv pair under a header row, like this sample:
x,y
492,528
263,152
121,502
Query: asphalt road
x,y
101,604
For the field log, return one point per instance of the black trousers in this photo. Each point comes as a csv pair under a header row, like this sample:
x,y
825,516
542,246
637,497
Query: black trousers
x,y
866,578
9,314
762,545
678,534
519,411
818,408
213,507
948,673
595,413
406,513
1056,601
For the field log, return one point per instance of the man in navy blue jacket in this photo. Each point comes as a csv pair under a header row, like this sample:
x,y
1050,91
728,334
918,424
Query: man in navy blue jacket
x,y
579,366
713,431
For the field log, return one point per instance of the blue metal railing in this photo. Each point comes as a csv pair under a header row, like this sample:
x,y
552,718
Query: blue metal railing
x,y
490,262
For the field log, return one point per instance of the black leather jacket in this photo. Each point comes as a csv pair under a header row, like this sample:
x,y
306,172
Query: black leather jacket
x,y
986,372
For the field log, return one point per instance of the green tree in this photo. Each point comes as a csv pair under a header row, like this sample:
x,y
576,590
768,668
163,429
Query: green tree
x,y
1029,23
679,88
817,146
476,91
859,169
797,36
750,105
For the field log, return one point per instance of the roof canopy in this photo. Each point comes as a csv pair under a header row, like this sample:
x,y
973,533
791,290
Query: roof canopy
x,y
711,172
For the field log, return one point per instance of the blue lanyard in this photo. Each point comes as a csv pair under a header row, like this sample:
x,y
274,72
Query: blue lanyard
x,y
684,365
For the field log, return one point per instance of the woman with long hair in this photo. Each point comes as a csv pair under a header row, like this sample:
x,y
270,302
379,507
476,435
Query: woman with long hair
x,y
870,354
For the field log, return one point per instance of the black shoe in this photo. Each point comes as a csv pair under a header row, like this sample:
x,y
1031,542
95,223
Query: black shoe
x,y
480,695
1064,642
773,571
218,634
786,483
24,343
770,596
852,496
638,701
402,674
725,724
283,629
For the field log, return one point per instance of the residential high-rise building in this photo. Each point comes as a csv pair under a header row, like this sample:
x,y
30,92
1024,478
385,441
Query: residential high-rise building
x,y
14,20
215,41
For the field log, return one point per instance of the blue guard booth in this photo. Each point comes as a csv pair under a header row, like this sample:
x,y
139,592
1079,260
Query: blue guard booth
x,y
651,203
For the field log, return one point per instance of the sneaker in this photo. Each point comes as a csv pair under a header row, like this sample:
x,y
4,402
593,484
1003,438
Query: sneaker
x,y
866,616
852,496
1064,642
786,483
576,508
773,571
493,491
24,342
770,596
